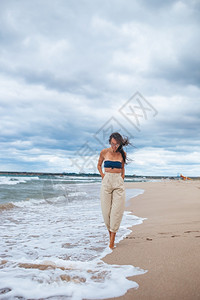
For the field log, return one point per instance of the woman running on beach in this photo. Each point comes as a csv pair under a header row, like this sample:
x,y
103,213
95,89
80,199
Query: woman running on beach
x,y
112,188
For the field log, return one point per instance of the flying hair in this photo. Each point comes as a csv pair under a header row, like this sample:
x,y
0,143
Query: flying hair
x,y
122,141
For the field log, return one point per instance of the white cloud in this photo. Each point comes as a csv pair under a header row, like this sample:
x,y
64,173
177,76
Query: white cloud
x,y
66,69
158,161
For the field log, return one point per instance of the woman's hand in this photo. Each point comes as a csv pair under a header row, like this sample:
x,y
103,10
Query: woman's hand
x,y
102,176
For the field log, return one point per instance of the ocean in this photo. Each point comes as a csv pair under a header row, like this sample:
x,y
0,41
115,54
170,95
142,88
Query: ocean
x,y
53,239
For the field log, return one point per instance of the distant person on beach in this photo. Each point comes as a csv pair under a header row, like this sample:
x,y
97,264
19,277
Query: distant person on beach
x,y
112,188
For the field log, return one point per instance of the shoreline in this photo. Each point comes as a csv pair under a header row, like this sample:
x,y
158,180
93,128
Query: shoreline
x,y
166,244
142,178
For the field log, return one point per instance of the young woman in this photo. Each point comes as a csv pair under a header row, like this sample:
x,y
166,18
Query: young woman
x,y
112,188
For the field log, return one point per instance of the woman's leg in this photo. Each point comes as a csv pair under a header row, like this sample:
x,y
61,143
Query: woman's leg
x,y
116,214
106,202
112,239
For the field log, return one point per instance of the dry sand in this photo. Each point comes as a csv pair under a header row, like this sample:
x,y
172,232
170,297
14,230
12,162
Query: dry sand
x,y
167,244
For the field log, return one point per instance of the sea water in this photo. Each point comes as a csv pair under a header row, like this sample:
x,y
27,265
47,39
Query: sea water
x,y
53,239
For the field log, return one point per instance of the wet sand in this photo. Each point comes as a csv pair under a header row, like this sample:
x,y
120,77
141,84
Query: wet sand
x,y
167,244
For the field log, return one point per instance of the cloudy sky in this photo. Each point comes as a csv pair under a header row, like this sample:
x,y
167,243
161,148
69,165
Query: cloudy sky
x,y
71,72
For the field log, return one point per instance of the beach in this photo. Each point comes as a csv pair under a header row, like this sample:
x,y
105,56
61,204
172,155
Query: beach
x,y
166,244
54,243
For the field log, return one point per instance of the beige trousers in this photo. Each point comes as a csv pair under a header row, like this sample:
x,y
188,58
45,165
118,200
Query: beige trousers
x,y
112,200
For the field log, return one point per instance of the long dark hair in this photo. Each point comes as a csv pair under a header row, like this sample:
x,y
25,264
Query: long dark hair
x,y
123,141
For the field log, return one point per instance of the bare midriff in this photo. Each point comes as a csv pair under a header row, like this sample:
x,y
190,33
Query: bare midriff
x,y
114,170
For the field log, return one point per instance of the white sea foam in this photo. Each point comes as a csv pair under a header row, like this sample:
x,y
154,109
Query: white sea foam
x,y
76,280
53,247
12,180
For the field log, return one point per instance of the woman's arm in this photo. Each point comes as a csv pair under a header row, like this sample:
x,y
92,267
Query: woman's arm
x,y
123,169
100,161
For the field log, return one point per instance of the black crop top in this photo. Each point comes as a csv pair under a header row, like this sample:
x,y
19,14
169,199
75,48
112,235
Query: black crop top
x,y
112,164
